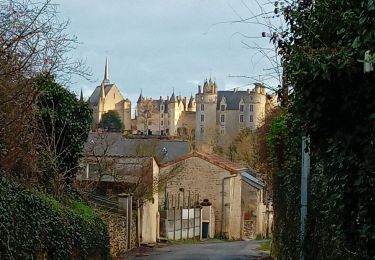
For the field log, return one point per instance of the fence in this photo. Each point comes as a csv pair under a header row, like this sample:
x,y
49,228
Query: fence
x,y
181,223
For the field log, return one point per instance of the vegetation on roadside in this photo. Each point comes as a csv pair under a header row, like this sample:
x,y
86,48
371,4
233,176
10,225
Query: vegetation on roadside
x,y
42,131
331,101
265,246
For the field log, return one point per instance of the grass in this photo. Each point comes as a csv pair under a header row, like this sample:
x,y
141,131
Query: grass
x,y
265,246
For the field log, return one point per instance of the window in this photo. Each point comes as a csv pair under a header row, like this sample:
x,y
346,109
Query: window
x,y
202,118
251,118
162,115
241,118
222,107
161,123
202,107
162,108
241,108
251,108
222,118
202,130
222,131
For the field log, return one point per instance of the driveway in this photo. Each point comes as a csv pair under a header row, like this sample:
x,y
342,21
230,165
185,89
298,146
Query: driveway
x,y
214,249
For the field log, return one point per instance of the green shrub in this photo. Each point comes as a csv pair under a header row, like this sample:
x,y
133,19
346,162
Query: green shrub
x,y
33,225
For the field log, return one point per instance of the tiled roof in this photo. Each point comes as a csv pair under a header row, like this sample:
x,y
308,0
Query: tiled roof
x,y
230,166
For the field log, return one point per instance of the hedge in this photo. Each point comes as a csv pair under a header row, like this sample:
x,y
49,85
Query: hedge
x,y
34,225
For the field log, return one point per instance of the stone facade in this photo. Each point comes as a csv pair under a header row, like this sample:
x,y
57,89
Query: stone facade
x,y
107,97
171,116
215,180
225,113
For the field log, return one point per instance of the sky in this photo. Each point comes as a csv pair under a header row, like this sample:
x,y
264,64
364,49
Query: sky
x,y
161,46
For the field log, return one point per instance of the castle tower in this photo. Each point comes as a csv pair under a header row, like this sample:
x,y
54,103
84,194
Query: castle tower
x,y
173,114
206,100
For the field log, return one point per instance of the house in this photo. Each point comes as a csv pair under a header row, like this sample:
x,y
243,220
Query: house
x,y
110,175
235,194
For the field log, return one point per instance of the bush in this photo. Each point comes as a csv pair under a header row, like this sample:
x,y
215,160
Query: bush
x,y
36,225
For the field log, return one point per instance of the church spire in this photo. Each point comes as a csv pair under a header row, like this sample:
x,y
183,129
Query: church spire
x,y
81,98
106,73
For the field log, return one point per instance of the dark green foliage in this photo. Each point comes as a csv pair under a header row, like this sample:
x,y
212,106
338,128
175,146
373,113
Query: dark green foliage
x,y
64,124
111,121
34,224
332,102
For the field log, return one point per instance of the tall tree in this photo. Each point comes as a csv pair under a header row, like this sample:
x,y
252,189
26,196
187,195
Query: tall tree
x,y
64,124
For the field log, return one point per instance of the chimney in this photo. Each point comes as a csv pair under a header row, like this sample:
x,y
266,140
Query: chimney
x,y
199,89
167,98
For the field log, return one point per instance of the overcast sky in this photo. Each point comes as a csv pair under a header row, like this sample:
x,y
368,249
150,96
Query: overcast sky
x,y
161,45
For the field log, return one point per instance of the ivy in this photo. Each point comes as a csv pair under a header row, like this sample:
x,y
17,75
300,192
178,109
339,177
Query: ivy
x,y
35,225
332,101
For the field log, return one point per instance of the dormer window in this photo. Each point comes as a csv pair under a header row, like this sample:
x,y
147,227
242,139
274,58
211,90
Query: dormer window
x,y
162,108
241,108
202,107
222,107
251,108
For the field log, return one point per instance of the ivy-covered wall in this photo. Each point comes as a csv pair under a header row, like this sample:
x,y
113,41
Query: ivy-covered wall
x,y
332,101
37,226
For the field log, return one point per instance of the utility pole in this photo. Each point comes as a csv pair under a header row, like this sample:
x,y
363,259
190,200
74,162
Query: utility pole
x,y
305,172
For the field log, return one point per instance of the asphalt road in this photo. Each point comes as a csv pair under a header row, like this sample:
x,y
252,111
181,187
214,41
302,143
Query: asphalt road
x,y
211,250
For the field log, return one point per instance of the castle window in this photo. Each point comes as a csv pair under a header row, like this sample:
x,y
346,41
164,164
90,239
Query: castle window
x,y
222,131
251,118
251,107
161,123
222,107
241,108
161,115
222,118
241,118
162,108
202,118
202,130
202,107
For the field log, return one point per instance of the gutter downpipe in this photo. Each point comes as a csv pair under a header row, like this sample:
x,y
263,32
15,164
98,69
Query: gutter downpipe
x,y
222,205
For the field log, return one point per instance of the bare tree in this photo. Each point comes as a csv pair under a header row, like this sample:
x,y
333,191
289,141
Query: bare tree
x,y
145,112
33,41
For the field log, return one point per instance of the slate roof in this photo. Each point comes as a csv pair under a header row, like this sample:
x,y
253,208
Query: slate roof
x,y
94,98
232,98
117,145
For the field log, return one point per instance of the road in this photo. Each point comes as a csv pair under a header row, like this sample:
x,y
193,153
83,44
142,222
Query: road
x,y
212,250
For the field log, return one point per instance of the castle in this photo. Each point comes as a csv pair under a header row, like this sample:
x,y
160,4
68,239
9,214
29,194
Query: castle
x,y
211,112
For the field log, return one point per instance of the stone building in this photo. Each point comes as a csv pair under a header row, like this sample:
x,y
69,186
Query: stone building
x,y
225,113
171,116
107,97
234,193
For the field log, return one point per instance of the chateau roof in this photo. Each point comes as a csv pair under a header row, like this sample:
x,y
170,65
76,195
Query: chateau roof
x,y
94,98
232,98
190,105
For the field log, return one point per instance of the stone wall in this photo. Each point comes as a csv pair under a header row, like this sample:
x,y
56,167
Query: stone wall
x,y
206,179
117,229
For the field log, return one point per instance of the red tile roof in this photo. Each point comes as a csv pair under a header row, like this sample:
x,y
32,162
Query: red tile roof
x,y
230,166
